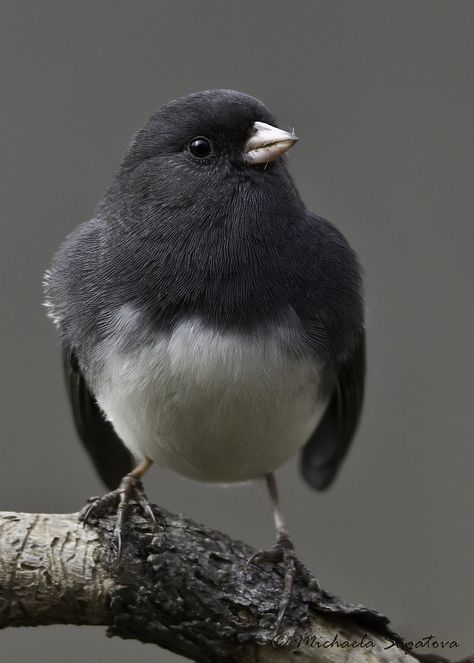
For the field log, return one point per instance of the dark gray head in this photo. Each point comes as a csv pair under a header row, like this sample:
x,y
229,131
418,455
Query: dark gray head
x,y
203,147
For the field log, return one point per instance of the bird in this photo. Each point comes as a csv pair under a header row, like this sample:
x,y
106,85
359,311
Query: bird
x,y
209,321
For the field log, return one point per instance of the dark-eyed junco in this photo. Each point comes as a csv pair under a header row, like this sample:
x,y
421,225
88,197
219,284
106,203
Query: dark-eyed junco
x,y
210,322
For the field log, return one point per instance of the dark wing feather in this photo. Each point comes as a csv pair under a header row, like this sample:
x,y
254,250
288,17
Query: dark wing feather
x,y
111,458
330,441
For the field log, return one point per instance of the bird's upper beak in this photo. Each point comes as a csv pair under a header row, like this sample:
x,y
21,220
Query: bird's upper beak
x,y
267,143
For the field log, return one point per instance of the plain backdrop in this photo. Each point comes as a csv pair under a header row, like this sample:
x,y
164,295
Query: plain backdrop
x,y
380,95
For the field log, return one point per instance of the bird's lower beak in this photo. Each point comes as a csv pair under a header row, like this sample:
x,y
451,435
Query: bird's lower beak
x,y
267,143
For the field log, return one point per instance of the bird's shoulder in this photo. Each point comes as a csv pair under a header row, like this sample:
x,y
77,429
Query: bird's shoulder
x,y
72,282
330,249
329,300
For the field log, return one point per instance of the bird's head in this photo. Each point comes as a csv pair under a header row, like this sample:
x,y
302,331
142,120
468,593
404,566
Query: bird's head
x,y
204,144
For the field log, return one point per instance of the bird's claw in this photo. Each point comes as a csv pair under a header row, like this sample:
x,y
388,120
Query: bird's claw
x,y
119,499
282,552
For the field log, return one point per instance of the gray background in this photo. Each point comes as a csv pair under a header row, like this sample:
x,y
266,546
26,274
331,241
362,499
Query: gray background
x,y
379,95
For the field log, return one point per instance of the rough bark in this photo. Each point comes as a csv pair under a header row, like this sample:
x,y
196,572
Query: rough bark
x,y
184,587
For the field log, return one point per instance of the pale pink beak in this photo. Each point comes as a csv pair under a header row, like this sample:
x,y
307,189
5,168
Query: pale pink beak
x,y
267,143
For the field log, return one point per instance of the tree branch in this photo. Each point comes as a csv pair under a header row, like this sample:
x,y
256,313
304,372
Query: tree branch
x,y
183,587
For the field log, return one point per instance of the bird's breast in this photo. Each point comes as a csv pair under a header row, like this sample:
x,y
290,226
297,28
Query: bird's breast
x,y
211,405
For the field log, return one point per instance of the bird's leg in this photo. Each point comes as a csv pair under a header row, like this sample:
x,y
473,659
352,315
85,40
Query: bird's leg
x,y
283,551
130,488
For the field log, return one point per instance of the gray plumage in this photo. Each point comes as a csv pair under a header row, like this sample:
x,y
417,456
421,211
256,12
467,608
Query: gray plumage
x,y
208,319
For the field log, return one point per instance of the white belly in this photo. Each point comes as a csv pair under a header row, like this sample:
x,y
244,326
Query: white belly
x,y
211,406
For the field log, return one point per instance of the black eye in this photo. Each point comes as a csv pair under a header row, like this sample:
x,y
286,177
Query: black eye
x,y
200,147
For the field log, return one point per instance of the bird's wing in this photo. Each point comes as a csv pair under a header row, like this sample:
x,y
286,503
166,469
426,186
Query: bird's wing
x,y
111,458
324,451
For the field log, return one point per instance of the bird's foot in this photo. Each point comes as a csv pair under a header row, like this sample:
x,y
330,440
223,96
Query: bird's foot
x,y
130,488
282,552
